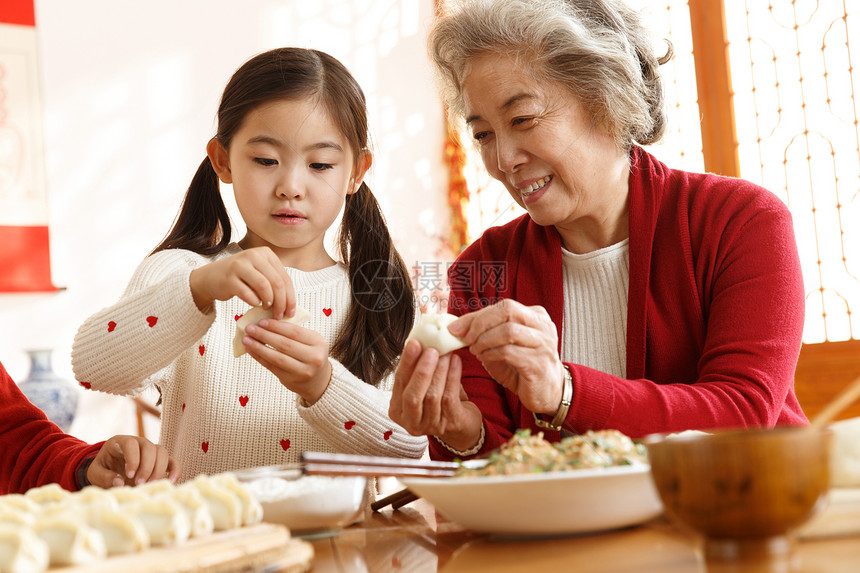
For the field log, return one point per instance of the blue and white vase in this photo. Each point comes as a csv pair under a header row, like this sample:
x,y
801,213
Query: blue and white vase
x,y
55,396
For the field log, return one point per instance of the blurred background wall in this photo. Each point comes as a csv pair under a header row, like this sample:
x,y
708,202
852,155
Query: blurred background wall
x,y
129,96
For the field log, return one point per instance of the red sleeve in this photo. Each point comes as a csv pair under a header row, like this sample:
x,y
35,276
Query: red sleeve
x,y
34,450
734,366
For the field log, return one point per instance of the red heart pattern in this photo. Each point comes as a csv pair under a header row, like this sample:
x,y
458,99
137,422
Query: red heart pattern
x,y
243,400
201,349
151,320
205,447
285,445
348,425
111,326
327,311
86,385
237,316
387,434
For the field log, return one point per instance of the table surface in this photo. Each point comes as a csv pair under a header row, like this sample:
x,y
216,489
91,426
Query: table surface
x,y
415,539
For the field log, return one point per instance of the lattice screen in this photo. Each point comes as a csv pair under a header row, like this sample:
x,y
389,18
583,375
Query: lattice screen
x,y
796,111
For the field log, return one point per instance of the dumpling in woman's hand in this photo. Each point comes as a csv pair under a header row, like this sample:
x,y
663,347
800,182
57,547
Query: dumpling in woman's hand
x,y
432,332
255,315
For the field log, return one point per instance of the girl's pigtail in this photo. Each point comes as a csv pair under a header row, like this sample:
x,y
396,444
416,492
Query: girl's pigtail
x,y
380,320
203,225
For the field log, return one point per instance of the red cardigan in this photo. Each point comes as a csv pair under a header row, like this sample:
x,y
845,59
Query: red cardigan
x,y
714,318
33,450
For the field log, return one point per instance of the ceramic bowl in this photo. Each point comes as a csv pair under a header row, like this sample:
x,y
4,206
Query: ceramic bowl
x,y
743,490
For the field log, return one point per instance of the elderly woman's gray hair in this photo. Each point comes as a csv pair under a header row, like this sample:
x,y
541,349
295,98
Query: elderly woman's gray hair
x,y
598,49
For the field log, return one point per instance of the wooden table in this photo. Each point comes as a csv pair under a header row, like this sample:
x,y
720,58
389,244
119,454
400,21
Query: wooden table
x,y
415,539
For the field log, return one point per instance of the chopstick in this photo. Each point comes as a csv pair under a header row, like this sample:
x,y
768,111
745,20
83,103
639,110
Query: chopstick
x,y
320,463
396,500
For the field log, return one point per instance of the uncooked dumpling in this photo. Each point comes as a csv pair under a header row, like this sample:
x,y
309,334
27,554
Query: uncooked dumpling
x,y
164,520
255,315
252,511
224,505
70,540
22,551
50,493
195,508
845,460
122,533
432,332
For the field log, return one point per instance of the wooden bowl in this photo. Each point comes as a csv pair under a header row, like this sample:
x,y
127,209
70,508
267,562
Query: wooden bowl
x,y
743,490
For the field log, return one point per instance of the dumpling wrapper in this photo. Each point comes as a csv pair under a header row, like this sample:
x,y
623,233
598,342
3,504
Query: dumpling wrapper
x,y
22,551
70,541
432,332
255,315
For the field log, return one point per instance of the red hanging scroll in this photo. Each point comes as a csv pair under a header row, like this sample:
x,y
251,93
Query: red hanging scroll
x,y
25,264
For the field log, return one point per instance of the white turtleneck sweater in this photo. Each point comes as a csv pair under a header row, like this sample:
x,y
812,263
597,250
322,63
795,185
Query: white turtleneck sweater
x,y
594,332
221,413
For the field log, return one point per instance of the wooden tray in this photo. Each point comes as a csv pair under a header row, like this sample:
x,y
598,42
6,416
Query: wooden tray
x,y
263,546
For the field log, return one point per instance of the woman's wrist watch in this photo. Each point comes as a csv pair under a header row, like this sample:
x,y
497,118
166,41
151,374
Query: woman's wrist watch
x,y
561,414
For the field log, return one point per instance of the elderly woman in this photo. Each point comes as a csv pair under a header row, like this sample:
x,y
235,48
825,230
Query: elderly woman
x,y
631,295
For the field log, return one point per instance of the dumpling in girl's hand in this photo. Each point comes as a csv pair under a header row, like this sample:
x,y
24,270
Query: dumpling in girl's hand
x,y
255,315
432,332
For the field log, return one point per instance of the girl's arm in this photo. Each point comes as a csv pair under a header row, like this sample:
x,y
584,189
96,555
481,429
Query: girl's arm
x,y
352,416
119,347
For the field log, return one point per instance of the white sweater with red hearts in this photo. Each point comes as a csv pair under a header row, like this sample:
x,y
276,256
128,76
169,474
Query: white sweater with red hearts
x,y
221,413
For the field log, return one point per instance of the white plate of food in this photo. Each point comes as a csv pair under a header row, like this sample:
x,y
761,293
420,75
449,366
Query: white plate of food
x,y
546,503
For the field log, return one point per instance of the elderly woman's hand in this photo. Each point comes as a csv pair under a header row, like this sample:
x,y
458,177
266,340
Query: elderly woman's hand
x,y
427,398
518,346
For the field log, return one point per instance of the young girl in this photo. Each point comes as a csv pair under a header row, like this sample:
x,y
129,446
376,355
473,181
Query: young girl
x,y
292,140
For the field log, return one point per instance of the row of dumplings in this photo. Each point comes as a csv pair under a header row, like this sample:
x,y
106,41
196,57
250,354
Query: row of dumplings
x,y
49,526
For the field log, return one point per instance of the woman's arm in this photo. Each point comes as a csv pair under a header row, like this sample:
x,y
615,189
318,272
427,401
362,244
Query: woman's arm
x,y
35,451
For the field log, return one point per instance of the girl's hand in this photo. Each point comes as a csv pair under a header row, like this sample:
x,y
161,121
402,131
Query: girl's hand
x,y
257,276
130,460
298,356
518,346
427,398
